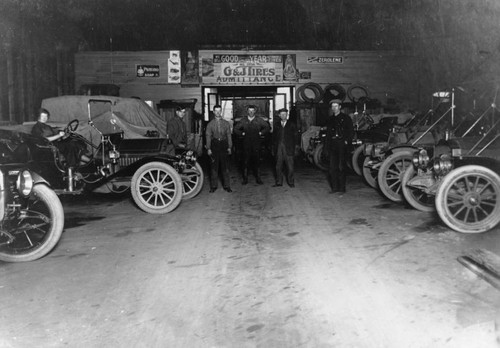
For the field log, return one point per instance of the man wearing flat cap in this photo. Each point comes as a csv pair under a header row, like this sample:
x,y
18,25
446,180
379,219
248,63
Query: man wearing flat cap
x,y
284,141
339,134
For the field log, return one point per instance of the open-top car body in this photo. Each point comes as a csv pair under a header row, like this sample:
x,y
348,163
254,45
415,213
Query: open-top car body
x,y
157,181
386,162
460,179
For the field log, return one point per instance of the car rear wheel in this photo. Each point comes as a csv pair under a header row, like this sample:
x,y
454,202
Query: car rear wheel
x,y
370,174
391,173
192,181
468,199
358,158
415,197
320,159
157,188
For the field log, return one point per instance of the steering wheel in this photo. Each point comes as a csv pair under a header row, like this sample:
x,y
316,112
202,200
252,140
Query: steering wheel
x,y
71,126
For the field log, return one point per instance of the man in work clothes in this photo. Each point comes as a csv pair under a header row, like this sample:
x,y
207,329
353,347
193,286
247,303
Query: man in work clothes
x,y
251,128
219,145
339,134
176,131
284,141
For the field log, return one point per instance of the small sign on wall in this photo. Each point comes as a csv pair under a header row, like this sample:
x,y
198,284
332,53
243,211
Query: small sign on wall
x,y
148,70
325,60
174,67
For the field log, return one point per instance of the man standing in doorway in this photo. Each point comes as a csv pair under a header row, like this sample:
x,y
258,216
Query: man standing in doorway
x,y
252,128
176,131
339,134
219,145
284,141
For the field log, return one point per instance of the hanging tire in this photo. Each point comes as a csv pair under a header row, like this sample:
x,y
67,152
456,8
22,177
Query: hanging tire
x,y
333,91
192,181
358,158
391,173
356,88
320,159
415,197
468,199
315,88
36,230
369,174
157,188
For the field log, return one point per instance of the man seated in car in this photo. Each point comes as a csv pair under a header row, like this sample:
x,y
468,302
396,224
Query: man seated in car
x,y
72,149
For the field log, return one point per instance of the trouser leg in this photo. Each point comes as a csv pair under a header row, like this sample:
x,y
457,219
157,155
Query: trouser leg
x,y
290,169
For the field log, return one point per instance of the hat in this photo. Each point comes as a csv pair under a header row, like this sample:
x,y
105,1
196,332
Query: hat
x,y
336,101
282,110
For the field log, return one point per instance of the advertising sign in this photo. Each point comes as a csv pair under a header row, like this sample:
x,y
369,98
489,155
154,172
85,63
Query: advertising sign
x,y
147,70
174,67
248,69
325,60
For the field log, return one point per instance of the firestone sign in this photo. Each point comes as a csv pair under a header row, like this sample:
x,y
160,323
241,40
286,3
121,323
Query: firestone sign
x,y
249,69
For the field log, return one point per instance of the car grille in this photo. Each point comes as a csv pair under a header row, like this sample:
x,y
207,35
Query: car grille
x,y
126,161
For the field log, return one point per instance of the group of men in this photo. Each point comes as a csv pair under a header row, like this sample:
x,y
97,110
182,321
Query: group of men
x,y
252,129
219,143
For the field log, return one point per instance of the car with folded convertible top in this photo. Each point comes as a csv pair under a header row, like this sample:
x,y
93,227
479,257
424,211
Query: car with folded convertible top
x,y
123,155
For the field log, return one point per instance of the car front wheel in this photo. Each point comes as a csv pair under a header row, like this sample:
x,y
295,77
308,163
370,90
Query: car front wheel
x,y
157,188
468,199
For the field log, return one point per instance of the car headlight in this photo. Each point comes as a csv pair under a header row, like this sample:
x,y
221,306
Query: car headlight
x,y
24,183
421,159
113,154
443,165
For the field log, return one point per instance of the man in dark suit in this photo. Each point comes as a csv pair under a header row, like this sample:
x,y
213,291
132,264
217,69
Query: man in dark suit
x,y
284,141
177,131
252,128
339,134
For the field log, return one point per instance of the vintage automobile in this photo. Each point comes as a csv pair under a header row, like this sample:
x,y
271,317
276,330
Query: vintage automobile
x,y
388,161
420,180
370,132
31,214
157,181
461,181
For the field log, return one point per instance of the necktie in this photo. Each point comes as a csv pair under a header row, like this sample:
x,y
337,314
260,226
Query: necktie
x,y
218,135
283,124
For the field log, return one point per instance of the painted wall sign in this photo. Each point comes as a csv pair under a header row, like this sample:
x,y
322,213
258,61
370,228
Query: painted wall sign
x,y
147,70
174,67
248,69
325,60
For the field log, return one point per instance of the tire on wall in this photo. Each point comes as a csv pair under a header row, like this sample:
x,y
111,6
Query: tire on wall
x,y
391,172
468,199
334,91
354,89
157,188
312,86
414,196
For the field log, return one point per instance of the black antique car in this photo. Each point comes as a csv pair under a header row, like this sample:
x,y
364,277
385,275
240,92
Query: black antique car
x,y
158,182
460,179
31,214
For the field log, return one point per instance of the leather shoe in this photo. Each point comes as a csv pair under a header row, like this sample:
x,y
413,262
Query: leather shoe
x,y
212,189
259,181
245,181
277,185
291,185
228,189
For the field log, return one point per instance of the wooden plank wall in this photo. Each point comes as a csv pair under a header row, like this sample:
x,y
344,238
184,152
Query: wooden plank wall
x,y
385,74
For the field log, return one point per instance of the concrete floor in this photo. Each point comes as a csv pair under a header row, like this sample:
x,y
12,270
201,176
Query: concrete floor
x,y
259,267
